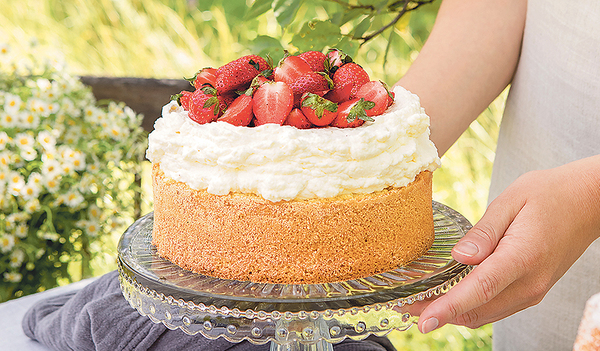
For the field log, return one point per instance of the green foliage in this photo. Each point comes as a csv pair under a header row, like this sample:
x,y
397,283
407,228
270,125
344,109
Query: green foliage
x,y
447,338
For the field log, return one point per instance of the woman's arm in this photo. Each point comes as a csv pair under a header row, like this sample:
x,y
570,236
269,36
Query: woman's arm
x,y
542,223
468,60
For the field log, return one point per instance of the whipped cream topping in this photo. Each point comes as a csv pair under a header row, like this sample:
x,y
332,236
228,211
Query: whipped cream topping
x,y
286,163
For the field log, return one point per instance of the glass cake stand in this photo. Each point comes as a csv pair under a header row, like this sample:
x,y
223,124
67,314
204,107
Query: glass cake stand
x,y
289,316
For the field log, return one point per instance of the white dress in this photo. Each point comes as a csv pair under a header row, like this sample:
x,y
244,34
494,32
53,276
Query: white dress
x,y
552,117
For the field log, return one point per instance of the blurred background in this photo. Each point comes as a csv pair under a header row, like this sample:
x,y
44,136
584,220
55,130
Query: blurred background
x,y
175,38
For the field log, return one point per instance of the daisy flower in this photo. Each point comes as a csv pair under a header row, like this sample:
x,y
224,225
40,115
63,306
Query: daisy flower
x,y
29,154
94,212
32,206
16,182
5,159
12,103
29,192
24,140
46,139
28,119
91,228
4,140
51,167
73,199
13,277
52,183
16,258
7,242
8,120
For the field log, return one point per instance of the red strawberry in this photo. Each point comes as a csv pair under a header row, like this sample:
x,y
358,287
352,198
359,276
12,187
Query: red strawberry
x,y
237,74
315,59
239,113
207,75
335,58
377,92
318,110
258,81
273,102
353,113
204,105
311,82
297,119
183,99
228,98
346,82
291,68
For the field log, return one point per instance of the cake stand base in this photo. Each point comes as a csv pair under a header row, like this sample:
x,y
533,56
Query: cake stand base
x,y
291,317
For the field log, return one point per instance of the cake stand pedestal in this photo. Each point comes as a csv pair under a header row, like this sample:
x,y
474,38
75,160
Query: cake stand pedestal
x,y
291,317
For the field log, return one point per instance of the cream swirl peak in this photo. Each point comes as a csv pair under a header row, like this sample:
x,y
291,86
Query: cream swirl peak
x,y
286,163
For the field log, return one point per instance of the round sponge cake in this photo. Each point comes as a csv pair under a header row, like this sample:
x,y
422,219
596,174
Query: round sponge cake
x,y
245,237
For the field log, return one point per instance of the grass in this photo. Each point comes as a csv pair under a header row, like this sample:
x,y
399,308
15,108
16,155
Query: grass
x,y
173,39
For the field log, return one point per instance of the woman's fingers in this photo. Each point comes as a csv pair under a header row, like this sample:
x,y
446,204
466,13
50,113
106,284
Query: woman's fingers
x,y
483,238
498,267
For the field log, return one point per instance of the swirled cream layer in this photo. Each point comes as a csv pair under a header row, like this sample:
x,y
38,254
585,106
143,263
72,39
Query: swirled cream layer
x,y
286,163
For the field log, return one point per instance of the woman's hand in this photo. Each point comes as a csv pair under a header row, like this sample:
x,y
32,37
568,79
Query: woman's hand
x,y
528,238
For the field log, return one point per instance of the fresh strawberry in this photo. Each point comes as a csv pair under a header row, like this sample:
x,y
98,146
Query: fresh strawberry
x,y
238,74
335,59
310,82
239,113
183,99
346,82
315,59
228,98
291,68
273,102
207,75
353,113
376,91
204,105
318,110
258,81
297,119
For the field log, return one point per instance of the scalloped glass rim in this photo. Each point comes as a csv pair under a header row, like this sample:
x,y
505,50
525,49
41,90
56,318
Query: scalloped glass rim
x,y
429,275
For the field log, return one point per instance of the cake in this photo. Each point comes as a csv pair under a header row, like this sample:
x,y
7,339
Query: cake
x,y
279,204
588,334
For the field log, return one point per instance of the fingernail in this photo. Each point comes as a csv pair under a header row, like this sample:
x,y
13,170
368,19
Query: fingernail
x,y
466,248
429,325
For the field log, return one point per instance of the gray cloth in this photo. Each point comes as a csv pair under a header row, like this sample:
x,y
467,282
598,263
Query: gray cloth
x,y
552,117
98,317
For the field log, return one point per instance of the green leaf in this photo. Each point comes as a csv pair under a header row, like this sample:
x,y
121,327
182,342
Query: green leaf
x,y
362,27
285,11
258,8
234,10
387,48
349,15
315,35
264,45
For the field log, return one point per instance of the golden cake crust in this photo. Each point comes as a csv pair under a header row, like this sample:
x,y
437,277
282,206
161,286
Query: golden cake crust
x,y
245,237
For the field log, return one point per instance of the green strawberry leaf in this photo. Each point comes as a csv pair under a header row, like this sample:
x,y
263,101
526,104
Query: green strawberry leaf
x,y
358,110
319,104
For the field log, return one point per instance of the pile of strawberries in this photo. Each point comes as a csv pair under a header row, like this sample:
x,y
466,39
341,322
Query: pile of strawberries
x,y
308,90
